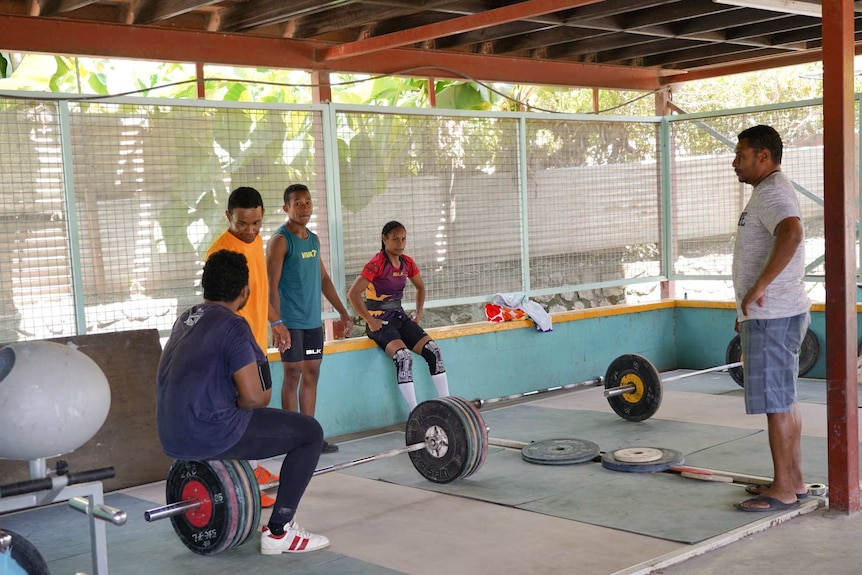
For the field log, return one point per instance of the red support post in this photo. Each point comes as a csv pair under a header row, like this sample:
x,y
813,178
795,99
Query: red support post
x,y
840,215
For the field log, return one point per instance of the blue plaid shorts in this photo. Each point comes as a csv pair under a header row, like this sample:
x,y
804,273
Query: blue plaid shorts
x,y
770,356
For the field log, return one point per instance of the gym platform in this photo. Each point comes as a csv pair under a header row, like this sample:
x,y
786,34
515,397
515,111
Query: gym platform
x,y
512,516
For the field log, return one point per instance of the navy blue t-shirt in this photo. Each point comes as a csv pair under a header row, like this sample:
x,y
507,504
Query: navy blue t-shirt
x,y
196,406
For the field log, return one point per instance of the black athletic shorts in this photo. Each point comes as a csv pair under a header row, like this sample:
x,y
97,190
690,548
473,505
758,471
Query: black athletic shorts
x,y
305,344
398,327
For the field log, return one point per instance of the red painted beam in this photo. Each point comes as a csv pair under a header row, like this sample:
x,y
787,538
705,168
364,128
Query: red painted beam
x,y
485,19
840,215
765,63
60,36
55,36
504,69
321,90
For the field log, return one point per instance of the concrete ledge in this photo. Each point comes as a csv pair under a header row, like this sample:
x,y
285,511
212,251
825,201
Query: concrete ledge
x,y
485,327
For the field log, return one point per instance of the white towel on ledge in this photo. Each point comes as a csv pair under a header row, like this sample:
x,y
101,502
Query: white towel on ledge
x,y
520,301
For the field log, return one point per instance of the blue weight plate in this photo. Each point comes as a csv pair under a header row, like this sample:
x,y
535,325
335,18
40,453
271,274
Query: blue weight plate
x,y
560,451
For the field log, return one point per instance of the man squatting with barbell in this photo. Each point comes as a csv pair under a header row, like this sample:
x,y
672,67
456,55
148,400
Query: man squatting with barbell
x,y
214,385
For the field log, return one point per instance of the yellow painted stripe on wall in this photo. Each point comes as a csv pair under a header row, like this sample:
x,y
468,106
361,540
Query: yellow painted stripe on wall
x,y
479,328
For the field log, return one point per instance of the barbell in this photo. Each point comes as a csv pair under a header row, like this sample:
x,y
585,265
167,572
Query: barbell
x,y
633,387
215,505
809,352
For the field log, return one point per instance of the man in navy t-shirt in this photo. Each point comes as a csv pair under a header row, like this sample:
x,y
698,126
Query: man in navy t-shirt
x,y
213,389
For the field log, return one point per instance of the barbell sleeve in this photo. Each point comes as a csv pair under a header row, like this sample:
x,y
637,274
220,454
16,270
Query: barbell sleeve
x,y
172,509
101,511
623,389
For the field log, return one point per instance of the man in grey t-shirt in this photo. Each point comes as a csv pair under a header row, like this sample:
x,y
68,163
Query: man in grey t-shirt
x,y
772,310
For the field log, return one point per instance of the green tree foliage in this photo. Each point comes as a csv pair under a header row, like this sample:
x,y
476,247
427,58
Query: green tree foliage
x,y
250,145
718,135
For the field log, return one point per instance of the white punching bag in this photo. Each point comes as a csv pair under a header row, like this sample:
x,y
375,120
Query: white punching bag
x,y
53,399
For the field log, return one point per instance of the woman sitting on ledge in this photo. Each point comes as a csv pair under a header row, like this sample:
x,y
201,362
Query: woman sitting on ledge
x,y
383,279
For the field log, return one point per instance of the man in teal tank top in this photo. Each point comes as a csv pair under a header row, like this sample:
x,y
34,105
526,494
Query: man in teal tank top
x,y
297,277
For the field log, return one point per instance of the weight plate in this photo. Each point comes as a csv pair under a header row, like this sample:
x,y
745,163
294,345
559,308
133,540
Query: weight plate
x,y
733,355
482,435
451,444
479,433
638,454
670,458
204,531
247,505
21,556
230,480
236,515
471,431
560,451
809,351
644,401
254,501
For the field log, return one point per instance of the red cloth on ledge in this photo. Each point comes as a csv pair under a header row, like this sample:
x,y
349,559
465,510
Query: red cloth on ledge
x,y
497,313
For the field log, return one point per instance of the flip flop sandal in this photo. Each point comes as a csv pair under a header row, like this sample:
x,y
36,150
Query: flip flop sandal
x,y
760,489
772,505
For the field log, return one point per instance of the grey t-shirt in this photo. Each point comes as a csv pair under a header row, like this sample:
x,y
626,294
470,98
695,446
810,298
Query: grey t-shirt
x,y
772,201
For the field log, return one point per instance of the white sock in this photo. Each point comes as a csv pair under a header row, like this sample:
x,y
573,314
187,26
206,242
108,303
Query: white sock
x,y
441,382
409,393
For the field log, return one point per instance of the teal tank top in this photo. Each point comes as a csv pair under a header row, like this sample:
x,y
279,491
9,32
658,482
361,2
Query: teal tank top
x,y
299,288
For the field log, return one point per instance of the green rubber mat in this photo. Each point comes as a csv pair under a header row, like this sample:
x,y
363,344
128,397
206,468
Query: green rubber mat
x,y
62,536
807,390
662,505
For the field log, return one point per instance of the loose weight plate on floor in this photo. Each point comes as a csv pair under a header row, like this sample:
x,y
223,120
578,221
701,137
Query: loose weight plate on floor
x,y
669,458
560,451
809,352
645,399
638,454
455,436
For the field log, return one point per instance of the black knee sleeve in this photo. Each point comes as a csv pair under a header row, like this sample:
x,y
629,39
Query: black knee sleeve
x,y
434,357
403,365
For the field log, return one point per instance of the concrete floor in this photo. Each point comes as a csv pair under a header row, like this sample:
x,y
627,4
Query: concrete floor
x,y
389,528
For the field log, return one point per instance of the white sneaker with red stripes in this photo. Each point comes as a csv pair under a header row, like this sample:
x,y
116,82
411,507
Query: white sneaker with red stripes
x,y
295,539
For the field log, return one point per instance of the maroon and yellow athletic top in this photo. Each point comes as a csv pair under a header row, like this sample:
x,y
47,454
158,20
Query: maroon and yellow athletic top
x,y
386,282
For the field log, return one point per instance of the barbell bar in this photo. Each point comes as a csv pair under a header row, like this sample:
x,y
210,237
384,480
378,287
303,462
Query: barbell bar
x,y
632,387
621,390
182,507
593,382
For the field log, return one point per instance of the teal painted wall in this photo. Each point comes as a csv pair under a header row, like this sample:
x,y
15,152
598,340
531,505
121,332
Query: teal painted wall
x,y
703,335
357,389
